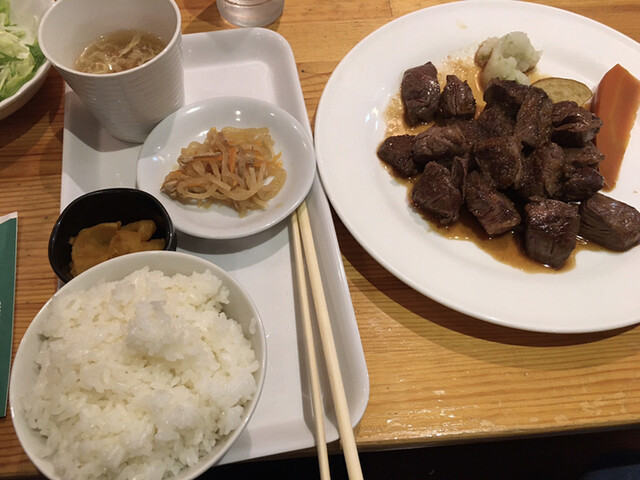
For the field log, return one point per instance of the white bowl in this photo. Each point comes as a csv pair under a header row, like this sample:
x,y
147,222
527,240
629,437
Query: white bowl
x,y
161,149
241,308
27,13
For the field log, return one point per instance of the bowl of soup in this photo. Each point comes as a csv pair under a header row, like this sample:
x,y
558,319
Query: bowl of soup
x,y
122,58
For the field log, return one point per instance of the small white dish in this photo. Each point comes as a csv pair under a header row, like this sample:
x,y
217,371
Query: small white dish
x,y
27,14
160,152
240,307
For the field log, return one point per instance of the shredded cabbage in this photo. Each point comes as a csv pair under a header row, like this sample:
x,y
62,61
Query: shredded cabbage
x,y
20,55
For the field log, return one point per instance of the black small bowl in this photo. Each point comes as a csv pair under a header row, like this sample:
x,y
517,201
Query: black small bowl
x,y
109,205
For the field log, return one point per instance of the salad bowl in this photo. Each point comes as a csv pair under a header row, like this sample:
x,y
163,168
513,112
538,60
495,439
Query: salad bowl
x,y
23,75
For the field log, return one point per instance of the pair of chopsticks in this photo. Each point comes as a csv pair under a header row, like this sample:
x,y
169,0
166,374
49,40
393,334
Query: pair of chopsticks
x,y
301,227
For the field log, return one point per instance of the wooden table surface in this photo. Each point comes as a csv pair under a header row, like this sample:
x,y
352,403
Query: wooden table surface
x,y
436,375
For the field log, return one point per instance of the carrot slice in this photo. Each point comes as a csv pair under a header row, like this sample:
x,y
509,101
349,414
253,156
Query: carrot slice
x,y
233,151
616,102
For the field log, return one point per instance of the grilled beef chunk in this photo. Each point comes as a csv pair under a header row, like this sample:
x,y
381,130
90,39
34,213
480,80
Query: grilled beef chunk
x,y
435,193
610,223
506,93
439,143
521,147
587,156
533,121
550,231
501,159
420,92
542,172
397,151
496,122
580,183
573,126
460,168
471,130
495,212
456,99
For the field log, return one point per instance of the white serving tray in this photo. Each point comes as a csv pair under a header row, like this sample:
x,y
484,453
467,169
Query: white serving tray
x,y
255,63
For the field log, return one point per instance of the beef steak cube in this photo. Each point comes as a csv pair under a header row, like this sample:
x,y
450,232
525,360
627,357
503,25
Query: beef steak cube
x,y
581,183
542,172
456,99
439,143
495,122
471,130
533,121
397,151
420,92
460,168
550,231
495,212
508,94
587,156
501,159
609,222
573,126
435,193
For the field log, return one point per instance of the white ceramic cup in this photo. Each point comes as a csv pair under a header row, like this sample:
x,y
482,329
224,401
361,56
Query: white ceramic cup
x,y
128,104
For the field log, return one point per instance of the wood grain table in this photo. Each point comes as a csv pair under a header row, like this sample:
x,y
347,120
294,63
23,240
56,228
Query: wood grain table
x,y
436,376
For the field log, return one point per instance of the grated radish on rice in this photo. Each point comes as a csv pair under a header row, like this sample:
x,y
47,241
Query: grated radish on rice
x,y
139,378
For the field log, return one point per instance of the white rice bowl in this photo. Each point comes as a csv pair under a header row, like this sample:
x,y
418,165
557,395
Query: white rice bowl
x,y
138,372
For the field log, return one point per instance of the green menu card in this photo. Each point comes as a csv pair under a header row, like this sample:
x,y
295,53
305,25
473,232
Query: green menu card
x,y
8,245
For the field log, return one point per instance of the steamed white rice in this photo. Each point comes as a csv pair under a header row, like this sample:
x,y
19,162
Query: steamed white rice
x,y
140,377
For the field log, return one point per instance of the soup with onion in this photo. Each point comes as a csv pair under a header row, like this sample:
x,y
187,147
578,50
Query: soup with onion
x,y
119,51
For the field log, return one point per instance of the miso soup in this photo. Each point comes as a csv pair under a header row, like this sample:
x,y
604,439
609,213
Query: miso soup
x,y
119,51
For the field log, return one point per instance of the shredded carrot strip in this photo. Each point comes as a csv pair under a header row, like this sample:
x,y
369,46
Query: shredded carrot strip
x,y
233,151
234,166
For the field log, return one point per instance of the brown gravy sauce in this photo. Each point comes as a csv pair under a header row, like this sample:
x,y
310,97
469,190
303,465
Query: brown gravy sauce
x,y
507,248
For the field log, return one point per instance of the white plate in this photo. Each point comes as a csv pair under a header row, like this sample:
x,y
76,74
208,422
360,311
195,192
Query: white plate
x,y
161,149
600,293
254,63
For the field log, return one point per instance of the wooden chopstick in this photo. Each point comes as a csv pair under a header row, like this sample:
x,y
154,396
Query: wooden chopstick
x,y
349,447
316,398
